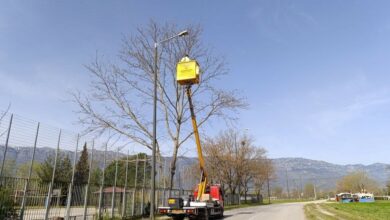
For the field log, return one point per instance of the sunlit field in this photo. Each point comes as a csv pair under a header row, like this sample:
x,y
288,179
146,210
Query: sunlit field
x,y
377,210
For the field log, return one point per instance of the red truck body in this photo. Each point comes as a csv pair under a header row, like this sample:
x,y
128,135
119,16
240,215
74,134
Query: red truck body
x,y
211,207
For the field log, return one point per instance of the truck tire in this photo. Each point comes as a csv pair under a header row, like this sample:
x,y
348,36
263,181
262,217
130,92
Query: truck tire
x,y
221,215
206,214
177,217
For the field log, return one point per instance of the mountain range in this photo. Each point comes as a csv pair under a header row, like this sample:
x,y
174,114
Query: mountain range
x,y
293,172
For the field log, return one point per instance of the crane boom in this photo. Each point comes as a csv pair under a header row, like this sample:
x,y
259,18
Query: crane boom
x,y
209,202
203,178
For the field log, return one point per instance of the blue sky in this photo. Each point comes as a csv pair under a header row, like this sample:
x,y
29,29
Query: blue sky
x,y
315,73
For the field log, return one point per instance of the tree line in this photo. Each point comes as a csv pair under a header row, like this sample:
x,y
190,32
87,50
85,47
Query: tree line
x,y
43,172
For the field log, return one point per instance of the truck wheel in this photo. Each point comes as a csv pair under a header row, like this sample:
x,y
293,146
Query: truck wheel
x,y
221,215
177,217
206,215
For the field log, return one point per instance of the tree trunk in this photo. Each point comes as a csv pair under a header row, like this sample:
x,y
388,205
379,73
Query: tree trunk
x,y
246,191
173,166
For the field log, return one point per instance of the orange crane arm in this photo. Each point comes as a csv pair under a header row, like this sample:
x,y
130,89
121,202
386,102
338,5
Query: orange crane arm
x,y
203,179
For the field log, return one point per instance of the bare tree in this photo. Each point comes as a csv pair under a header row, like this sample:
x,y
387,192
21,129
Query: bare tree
x,y
262,175
357,181
120,96
234,160
255,166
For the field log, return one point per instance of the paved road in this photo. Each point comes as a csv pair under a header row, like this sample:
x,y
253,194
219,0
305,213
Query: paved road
x,y
291,211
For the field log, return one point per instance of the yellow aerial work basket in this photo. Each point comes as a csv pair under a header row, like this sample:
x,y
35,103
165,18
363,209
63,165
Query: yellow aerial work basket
x,y
187,71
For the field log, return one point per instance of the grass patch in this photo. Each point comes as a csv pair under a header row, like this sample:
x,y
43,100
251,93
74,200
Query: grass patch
x,y
349,211
312,212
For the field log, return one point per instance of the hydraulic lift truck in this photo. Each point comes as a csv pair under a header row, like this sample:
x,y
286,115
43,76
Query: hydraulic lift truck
x,y
207,200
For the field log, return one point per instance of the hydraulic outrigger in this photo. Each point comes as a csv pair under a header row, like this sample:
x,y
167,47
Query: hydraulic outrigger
x,y
207,200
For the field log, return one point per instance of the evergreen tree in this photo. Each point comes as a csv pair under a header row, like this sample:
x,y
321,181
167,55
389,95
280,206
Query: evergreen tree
x,y
96,176
45,170
82,167
63,172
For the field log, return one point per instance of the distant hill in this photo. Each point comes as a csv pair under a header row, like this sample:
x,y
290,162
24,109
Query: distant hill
x,y
22,155
322,173
297,171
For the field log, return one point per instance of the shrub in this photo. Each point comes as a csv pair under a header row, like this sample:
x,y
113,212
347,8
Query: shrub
x,y
7,210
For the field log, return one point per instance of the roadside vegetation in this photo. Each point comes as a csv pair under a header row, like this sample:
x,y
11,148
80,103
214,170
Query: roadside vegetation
x,y
6,204
378,210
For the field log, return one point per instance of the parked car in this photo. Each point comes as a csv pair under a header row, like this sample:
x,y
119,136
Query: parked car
x,y
344,197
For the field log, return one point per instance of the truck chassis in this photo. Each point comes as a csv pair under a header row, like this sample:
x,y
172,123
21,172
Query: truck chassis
x,y
194,211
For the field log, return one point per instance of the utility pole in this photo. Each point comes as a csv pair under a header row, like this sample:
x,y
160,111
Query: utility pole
x,y
288,189
269,194
154,141
301,191
238,177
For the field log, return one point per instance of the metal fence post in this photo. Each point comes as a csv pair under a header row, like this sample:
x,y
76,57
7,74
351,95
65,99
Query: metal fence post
x,y
125,188
29,175
156,201
135,185
170,189
143,187
69,199
114,187
6,147
165,182
158,191
48,199
87,186
102,185
164,197
179,178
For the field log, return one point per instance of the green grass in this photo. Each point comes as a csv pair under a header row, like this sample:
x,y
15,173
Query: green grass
x,y
312,212
367,211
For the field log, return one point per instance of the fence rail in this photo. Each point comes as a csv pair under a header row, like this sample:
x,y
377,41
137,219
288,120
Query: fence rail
x,y
117,201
